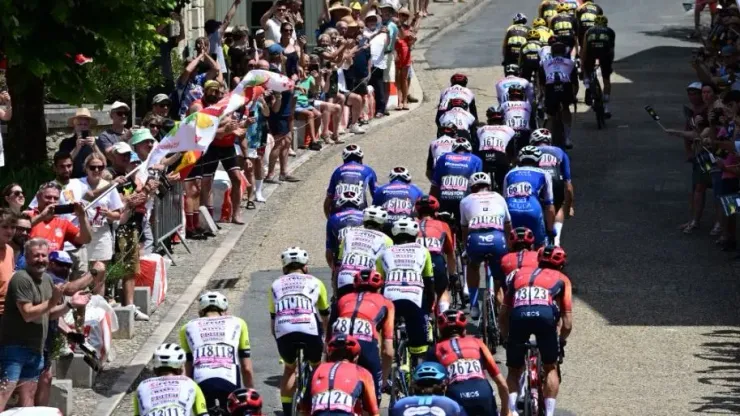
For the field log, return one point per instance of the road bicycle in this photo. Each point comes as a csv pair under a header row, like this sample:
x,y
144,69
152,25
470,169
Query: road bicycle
x,y
456,284
531,383
488,322
401,371
597,99
303,379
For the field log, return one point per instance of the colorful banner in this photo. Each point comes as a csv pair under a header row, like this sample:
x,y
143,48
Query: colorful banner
x,y
730,203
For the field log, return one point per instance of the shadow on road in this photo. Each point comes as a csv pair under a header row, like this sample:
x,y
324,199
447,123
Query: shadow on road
x,y
675,32
722,352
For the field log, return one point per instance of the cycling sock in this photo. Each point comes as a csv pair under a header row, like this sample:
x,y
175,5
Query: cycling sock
x,y
258,185
287,403
549,407
558,226
606,98
443,306
586,81
473,296
513,397
567,132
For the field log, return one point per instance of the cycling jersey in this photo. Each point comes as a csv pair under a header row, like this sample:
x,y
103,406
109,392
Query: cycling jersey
x,y
485,213
530,53
437,148
462,119
359,250
516,35
406,267
545,54
524,186
502,88
341,388
494,148
564,25
352,176
337,226
451,175
426,406
214,346
437,237
296,300
517,114
397,198
556,162
169,395
455,91
519,260
600,39
586,20
559,69
548,9
545,33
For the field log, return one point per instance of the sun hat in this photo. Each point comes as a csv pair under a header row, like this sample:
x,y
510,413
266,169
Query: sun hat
x,y
140,135
82,113
119,104
122,148
161,98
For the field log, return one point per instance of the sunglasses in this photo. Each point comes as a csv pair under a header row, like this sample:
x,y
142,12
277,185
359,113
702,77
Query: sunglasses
x,y
162,104
23,229
288,30
121,113
96,168
282,9
16,193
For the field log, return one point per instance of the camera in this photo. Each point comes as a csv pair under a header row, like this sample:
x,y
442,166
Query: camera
x,y
91,356
164,183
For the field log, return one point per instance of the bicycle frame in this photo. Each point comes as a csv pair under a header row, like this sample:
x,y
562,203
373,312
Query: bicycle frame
x,y
400,377
488,324
530,382
302,381
597,98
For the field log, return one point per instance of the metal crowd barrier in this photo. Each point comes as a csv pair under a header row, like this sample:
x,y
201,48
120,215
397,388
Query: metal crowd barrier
x,y
168,211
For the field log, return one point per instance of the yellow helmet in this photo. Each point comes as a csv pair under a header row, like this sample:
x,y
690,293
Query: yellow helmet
x,y
533,35
601,20
539,22
563,7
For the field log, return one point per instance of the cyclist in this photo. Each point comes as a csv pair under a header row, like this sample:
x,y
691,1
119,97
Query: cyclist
x,y
450,178
466,358
437,237
442,144
524,186
536,300
514,39
217,350
365,314
297,300
564,25
340,386
245,402
457,113
409,283
495,147
458,89
518,115
428,387
586,15
511,79
349,215
560,78
360,249
529,61
353,176
169,392
522,252
398,196
557,163
599,44
485,221
547,9
540,25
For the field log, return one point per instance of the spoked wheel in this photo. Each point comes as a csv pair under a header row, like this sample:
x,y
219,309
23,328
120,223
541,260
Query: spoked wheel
x,y
302,380
598,105
490,328
401,373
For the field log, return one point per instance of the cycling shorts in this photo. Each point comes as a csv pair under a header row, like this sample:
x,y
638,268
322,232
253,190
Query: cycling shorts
x,y
513,52
529,68
216,388
475,396
557,95
453,207
521,328
558,193
370,360
215,154
289,344
522,139
495,164
531,218
606,61
486,243
441,280
416,321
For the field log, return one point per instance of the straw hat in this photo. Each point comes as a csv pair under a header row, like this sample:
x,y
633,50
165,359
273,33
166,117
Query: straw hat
x,y
339,7
405,11
349,20
82,113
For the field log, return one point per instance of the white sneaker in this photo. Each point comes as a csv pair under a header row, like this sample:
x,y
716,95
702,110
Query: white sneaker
x,y
259,198
474,312
139,315
356,129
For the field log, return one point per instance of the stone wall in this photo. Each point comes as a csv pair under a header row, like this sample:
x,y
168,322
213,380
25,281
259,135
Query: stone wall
x,y
57,128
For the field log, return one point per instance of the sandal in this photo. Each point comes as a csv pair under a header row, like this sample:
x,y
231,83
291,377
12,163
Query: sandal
x,y
251,205
272,180
289,178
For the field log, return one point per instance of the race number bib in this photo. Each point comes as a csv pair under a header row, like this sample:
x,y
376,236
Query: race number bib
x,y
464,369
351,187
359,260
167,411
361,328
399,206
214,356
547,161
332,400
454,183
532,296
493,143
294,305
434,245
517,122
487,221
404,276
519,190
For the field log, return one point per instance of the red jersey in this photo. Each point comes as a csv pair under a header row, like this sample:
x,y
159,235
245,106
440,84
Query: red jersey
x,y
436,236
536,288
465,358
518,260
56,231
362,314
342,387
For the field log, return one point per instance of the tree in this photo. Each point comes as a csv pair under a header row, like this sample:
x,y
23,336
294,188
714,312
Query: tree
x,y
40,39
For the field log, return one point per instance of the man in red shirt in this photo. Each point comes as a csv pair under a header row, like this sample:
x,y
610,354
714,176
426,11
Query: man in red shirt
x,y
54,229
7,257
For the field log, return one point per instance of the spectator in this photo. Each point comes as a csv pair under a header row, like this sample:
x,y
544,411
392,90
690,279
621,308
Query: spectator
x,y
239,54
7,255
81,143
290,49
295,16
281,106
699,6
700,181
202,68
22,230
5,115
161,105
332,14
56,229
259,40
308,113
215,32
387,12
378,46
356,77
155,124
13,198
403,58
164,60
275,55
273,18
31,301
256,142
356,8
117,132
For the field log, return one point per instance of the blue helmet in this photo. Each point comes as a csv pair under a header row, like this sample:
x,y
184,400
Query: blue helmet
x,y
430,372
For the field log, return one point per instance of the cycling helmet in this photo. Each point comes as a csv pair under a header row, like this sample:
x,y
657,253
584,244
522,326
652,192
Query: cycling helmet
x,y
552,255
601,20
552,40
368,278
457,102
563,7
216,299
427,202
539,22
511,69
294,255
346,343
244,401
429,372
352,150
375,214
452,318
495,113
449,129
516,90
540,136
480,178
521,235
405,226
461,143
531,153
459,79
519,19
400,172
169,355
349,198
533,35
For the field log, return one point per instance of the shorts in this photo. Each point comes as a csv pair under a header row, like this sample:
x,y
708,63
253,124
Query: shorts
x,y
356,86
288,345
306,107
557,95
370,360
196,172
215,154
79,262
606,61
441,280
217,389
558,193
569,39
532,219
127,248
700,178
279,126
416,324
389,73
699,5
530,67
522,139
730,186
716,178
19,363
545,331
513,53
475,396
486,244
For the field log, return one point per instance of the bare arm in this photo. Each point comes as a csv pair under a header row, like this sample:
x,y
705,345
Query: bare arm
x,y
84,235
268,14
185,76
6,114
247,372
227,20
30,312
181,23
215,71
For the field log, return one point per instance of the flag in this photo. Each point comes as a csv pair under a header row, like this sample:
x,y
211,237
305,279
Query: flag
x,y
187,163
652,113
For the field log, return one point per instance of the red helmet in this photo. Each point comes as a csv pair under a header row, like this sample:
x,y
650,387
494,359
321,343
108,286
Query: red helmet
x,y
244,401
460,79
427,202
521,235
452,318
552,255
346,343
457,102
368,278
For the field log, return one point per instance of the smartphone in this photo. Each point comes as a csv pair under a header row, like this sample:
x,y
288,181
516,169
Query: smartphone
x,y
64,209
85,134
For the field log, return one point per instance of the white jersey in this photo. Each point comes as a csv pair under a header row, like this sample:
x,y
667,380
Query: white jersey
x,y
461,118
455,91
360,250
545,54
35,410
296,299
502,88
167,395
216,344
404,267
484,210
440,146
558,67
494,138
517,114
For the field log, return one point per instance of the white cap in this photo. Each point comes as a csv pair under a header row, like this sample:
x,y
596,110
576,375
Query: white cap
x,y
121,148
694,86
119,104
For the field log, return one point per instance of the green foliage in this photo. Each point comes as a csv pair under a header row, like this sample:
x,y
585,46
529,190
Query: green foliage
x,y
135,73
28,177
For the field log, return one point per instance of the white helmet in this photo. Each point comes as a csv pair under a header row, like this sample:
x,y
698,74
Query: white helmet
x,y
461,143
405,226
400,172
169,355
375,214
530,153
213,299
480,178
294,255
540,136
352,150
350,198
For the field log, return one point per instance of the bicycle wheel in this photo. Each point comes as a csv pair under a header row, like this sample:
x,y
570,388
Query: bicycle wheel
x,y
598,104
300,384
491,327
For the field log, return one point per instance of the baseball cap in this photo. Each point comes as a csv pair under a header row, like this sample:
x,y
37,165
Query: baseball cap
x,y
728,50
694,86
60,257
259,32
275,49
211,84
161,98
135,158
122,148
118,105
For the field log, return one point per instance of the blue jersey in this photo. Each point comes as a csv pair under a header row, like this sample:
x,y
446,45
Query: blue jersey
x,y
451,174
337,225
397,198
525,186
426,406
556,162
352,176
